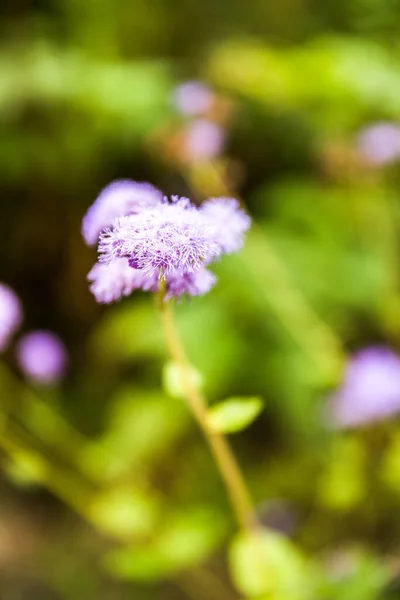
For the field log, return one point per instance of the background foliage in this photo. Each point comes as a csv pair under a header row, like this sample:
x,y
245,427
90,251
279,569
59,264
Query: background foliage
x,y
107,489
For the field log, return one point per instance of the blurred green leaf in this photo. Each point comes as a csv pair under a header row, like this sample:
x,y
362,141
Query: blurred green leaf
x,y
145,564
175,376
355,574
234,414
266,564
190,535
125,512
186,539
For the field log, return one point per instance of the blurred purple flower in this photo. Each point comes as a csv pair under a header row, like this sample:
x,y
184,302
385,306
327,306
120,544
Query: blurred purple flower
x,y
380,143
227,222
42,356
193,98
173,241
10,314
119,198
371,388
204,140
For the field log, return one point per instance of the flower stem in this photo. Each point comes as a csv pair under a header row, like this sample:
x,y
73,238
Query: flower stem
x,y
220,448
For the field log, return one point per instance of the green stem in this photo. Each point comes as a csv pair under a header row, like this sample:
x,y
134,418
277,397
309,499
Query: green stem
x,y
223,455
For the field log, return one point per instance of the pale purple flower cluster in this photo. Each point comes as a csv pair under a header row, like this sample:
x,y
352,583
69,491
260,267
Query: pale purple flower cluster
x,y
371,389
204,139
42,356
166,240
10,315
193,98
380,143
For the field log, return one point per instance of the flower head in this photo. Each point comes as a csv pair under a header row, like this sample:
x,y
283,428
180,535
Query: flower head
x,y
10,314
204,140
380,143
119,198
227,221
371,388
193,98
172,239
42,356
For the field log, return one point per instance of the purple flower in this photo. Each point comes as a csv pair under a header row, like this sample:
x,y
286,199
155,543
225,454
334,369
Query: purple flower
x,y
172,242
190,284
227,221
193,98
109,282
204,140
10,314
371,388
172,239
380,143
119,198
42,356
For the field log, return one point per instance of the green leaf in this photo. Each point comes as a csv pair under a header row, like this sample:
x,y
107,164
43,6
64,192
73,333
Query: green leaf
x,y
234,414
125,512
364,577
185,540
144,564
175,377
266,564
189,537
